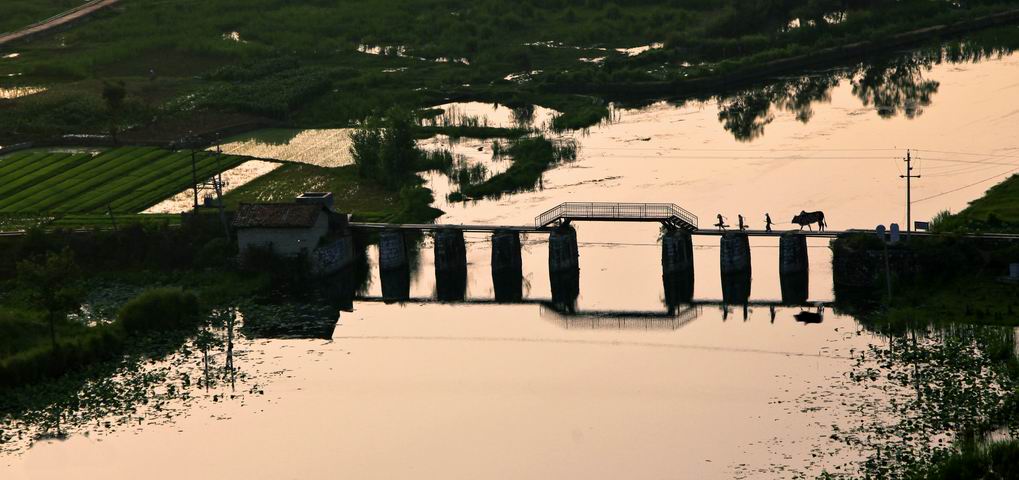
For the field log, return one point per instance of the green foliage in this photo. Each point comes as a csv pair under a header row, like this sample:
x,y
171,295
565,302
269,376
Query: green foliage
x,y
275,94
368,201
415,205
286,273
438,160
531,157
131,247
998,461
96,344
286,54
387,154
51,283
161,309
996,211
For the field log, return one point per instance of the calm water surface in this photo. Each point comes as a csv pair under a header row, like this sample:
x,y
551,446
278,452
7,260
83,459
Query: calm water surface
x,y
423,390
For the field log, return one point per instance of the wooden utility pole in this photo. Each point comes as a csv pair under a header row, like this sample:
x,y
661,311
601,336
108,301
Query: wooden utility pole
x,y
194,176
217,186
909,176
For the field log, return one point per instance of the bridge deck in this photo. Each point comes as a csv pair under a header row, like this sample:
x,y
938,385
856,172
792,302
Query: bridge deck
x,y
668,213
537,229
701,232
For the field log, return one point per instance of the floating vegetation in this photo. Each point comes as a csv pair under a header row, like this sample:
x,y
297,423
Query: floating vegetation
x,y
153,384
924,393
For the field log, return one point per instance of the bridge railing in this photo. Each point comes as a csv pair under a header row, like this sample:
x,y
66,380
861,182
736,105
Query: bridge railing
x,y
609,211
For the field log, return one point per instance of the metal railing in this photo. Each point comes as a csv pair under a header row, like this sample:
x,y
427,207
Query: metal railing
x,y
619,211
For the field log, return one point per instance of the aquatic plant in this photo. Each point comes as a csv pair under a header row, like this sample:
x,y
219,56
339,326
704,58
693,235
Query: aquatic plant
x,y
160,309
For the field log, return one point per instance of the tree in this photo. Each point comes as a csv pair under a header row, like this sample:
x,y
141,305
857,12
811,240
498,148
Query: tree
x,y
114,94
52,286
385,151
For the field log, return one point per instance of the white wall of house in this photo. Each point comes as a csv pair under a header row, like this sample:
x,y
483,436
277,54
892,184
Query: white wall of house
x,y
284,241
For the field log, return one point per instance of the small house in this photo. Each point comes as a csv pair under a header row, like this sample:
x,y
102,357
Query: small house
x,y
307,226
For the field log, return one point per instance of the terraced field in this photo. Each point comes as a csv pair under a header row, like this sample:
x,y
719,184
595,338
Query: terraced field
x,y
126,180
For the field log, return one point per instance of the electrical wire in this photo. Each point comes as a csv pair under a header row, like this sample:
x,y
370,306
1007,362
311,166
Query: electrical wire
x,y
966,186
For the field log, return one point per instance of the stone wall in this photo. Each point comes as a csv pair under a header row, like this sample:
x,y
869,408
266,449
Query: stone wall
x,y
333,257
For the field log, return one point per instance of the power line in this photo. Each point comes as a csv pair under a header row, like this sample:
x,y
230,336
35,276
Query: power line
x,y
966,186
968,153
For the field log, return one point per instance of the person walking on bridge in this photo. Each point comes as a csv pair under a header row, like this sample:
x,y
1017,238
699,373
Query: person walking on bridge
x,y
767,222
721,222
742,226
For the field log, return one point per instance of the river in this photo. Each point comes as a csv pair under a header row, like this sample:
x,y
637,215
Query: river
x,y
623,388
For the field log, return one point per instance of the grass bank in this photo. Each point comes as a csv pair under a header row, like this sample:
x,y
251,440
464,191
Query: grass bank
x,y
351,193
996,211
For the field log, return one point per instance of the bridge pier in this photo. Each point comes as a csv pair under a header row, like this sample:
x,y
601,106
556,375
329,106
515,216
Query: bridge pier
x,y
735,253
677,252
563,255
793,268
392,250
507,266
677,267
792,254
450,250
450,264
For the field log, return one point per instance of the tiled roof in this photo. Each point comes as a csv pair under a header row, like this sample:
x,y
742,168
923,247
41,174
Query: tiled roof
x,y
276,215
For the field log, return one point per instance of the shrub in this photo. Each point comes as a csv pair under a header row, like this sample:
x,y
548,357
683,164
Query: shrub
x,y
217,252
47,362
160,309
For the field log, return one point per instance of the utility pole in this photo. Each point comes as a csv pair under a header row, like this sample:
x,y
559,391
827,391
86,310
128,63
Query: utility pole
x,y
909,176
194,177
217,186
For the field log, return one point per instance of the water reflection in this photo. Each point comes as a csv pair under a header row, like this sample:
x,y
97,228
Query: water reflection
x,y
565,290
678,288
736,288
795,287
395,284
807,316
451,285
508,284
890,85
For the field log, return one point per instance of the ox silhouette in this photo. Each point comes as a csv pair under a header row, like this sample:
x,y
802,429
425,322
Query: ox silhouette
x,y
807,219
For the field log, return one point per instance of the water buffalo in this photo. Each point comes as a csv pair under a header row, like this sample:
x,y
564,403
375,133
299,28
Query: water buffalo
x,y
807,219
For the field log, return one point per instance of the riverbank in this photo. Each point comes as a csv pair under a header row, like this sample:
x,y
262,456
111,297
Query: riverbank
x,y
945,287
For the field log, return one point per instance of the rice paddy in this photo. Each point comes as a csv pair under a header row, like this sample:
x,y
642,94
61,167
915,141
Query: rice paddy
x,y
121,180
322,147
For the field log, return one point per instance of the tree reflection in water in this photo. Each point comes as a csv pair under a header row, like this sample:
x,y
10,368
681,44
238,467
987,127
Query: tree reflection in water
x,y
891,86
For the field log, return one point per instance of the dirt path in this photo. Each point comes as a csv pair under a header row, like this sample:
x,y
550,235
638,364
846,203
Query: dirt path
x,y
69,16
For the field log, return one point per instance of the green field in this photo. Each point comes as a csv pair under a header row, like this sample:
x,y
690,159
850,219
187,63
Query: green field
x,y
15,14
317,64
125,180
